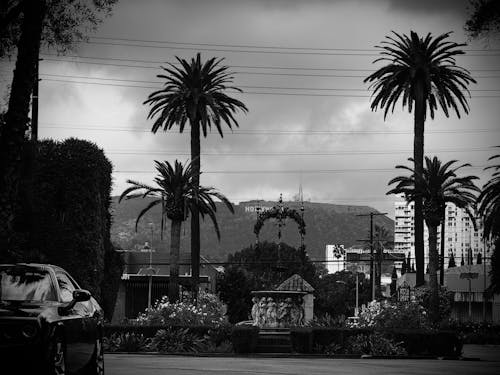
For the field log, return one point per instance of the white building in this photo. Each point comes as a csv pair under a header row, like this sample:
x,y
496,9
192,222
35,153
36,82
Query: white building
x,y
460,234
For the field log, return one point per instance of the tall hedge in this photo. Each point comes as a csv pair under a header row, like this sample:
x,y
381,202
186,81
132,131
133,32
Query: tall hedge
x,y
72,219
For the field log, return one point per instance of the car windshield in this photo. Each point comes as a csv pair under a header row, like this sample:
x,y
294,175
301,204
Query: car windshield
x,y
26,283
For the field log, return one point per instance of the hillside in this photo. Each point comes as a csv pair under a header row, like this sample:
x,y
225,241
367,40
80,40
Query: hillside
x,y
325,224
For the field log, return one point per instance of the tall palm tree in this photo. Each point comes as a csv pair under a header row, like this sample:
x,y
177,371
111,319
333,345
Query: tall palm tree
x,y
439,185
423,72
489,209
195,92
177,195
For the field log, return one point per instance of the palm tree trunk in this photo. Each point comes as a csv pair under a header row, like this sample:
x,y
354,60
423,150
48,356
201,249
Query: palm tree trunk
x,y
175,243
433,266
195,218
418,157
16,118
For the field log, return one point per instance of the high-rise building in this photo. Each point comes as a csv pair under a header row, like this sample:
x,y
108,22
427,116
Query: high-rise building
x,y
462,238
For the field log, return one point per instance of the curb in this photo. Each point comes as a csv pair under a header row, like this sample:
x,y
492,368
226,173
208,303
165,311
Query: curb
x,y
297,355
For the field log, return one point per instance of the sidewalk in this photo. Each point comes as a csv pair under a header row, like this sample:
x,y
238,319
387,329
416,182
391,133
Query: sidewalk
x,y
483,352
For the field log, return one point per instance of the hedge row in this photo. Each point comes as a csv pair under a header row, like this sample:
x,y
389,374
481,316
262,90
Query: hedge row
x,y
415,342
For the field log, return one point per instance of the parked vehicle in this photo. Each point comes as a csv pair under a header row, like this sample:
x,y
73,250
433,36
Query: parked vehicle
x,y
48,324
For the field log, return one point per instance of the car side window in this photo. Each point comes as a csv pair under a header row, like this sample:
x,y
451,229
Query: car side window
x,y
66,287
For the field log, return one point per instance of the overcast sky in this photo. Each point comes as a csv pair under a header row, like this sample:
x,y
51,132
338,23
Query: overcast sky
x,y
310,125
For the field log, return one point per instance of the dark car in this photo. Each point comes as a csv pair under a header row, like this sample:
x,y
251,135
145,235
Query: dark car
x,y
48,324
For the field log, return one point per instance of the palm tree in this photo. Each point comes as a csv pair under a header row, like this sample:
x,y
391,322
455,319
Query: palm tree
x,y
194,92
439,185
423,72
489,209
177,195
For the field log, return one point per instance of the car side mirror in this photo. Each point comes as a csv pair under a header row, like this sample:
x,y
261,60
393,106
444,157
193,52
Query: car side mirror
x,y
81,295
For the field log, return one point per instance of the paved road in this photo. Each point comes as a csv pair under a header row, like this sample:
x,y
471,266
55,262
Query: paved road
x,y
123,364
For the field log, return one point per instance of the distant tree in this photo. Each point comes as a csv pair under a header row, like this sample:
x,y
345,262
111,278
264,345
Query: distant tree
x,y
462,262
451,261
479,259
404,267
234,287
423,72
484,20
336,293
439,184
195,92
263,260
394,278
177,195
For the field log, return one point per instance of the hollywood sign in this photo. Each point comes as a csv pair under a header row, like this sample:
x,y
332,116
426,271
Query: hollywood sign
x,y
256,208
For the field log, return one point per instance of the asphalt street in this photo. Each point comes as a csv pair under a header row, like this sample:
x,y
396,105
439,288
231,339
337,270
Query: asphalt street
x,y
132,364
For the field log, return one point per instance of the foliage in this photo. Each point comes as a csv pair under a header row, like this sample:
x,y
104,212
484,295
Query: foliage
x,y
234,287
484,19
387,315
113,270
437,185
414,61
66,22
172,340
244,338
445,302
208,311
373,344
72,204
335,294
261,260
489,201
177,194
127,342
327,320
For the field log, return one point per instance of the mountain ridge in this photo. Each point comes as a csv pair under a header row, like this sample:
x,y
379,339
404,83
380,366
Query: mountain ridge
x,y
326,223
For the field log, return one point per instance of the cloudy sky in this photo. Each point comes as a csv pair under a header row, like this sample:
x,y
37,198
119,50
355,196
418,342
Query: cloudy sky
x,y
301,65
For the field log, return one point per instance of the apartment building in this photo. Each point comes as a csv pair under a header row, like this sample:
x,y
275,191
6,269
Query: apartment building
x,y
462,238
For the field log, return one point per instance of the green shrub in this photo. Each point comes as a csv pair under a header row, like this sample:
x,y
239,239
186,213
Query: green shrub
x,y
383,346
327,320
172,340
301,339
126,342
244,338
397,315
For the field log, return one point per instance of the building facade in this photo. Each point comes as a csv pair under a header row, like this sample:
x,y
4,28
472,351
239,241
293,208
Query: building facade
x,y
462,238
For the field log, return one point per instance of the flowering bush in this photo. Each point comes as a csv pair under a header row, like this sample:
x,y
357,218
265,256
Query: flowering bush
x,y
127,342
173,340
394,315
207,312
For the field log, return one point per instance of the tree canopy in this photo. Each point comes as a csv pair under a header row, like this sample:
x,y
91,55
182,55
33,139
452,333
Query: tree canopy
x,y
66,23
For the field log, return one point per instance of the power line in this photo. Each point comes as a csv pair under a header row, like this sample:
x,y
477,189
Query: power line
x,y
232,66
273,132
240,86
266,49
283,171
252,154
254,46
240,93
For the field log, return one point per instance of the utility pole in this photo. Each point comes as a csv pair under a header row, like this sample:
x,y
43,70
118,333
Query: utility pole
x,y
372,273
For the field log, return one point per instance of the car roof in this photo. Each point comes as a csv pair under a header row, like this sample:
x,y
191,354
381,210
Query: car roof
x,y
37,265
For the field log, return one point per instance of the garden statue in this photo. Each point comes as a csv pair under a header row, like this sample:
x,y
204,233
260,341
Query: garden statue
x,y
255,311
271,313
262,312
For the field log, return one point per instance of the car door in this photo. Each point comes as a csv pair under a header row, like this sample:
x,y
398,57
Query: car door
x,y
78,323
